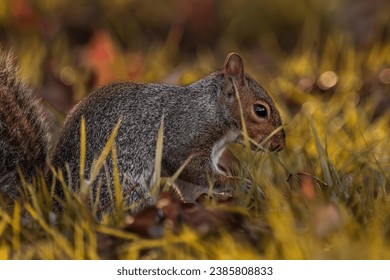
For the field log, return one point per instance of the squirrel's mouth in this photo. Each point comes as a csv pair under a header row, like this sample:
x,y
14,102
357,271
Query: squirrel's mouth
x,y
223,159
275,144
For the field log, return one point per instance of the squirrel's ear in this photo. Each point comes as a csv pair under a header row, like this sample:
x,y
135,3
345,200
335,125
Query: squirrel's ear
x,y
234,68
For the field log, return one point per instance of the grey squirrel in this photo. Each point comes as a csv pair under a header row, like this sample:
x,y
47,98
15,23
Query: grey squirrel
x,y
199,121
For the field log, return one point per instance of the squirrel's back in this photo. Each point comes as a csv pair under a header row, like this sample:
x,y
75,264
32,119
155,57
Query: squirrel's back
x,y
186,113
24,133
199,121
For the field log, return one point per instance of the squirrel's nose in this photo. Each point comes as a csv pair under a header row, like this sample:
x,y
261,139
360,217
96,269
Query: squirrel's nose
x,y
276,147
278,142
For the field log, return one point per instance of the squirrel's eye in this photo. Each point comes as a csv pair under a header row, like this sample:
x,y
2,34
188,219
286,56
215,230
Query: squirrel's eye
x,y
260,110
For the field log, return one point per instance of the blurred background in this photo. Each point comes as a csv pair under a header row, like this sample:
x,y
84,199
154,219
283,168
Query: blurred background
x,y
325,63
67,48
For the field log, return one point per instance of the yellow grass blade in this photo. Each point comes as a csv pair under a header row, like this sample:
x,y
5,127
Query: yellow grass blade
x,y
117,188
243,124
60,240
157,162
171,180
79,252
83,144
98,164
16,226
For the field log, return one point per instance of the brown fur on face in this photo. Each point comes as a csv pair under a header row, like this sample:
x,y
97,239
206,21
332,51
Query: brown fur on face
x,y
259,128
241,90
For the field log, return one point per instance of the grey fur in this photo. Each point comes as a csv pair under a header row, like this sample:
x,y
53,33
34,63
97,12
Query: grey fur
x,y
24,133
198,122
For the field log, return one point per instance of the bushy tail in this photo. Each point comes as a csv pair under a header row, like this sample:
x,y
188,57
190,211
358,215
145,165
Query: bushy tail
x,y
24,132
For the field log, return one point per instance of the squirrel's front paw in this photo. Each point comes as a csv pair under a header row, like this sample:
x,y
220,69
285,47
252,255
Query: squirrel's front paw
x,y
216,196
223,196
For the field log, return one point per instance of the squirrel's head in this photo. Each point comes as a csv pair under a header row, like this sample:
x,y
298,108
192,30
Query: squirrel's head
x,y
258,111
